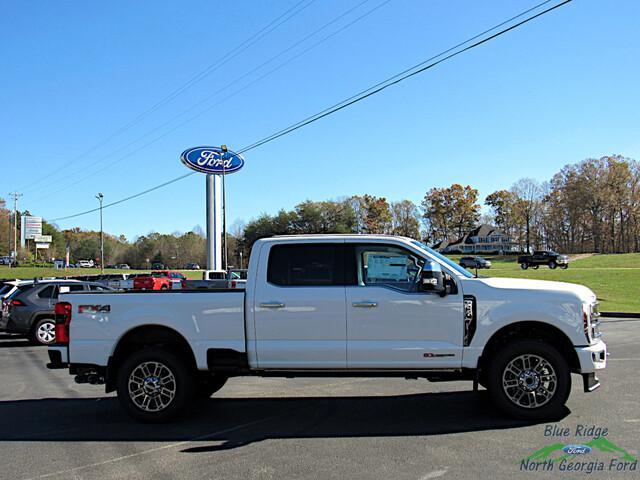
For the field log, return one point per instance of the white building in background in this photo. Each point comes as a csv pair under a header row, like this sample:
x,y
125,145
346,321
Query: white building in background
x,y
482,239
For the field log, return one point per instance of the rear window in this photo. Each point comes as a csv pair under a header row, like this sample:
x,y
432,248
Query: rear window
x,y
46,292
306,265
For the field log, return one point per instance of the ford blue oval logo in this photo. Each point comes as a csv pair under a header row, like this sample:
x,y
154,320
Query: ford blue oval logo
x,y
577,449
212,160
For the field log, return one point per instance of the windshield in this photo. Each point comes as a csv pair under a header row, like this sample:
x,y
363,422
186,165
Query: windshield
x,y
450,263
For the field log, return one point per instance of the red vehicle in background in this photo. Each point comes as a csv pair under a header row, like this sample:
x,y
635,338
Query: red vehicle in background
x,y
160,280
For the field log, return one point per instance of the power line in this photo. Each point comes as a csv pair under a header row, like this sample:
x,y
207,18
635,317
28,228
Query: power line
x,y
230,84
243,46
394,80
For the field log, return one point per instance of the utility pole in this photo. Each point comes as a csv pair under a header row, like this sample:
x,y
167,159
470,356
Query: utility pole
x,y
15,196
100,198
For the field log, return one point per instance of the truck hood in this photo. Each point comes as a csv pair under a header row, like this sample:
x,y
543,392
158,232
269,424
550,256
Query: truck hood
x,y
584,293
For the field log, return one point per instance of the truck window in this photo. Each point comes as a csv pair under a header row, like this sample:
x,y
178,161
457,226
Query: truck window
x,y
381,265
311,264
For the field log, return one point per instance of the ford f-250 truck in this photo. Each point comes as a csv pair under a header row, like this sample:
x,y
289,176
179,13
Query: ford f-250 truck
x,y
337,305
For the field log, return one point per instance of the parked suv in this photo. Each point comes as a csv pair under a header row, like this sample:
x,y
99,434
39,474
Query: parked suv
x,y
30,309
475,262
543,257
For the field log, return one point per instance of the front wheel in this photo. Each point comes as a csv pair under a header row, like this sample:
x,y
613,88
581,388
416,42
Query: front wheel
x,y
524,266
155,385
529,380
564,267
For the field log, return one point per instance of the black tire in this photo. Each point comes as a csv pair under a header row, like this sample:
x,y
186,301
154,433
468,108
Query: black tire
x,y
210,385
164,287
564,267
182,385
524,266
552,265
535,267
550,409
43,332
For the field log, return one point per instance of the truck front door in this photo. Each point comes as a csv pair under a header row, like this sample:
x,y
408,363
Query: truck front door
x,y
391,323
299,311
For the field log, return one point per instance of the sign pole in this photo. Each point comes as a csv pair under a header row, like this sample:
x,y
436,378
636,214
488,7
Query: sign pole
x,y
214,252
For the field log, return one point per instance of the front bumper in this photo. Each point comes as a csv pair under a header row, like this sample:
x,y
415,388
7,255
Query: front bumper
x,y
593,357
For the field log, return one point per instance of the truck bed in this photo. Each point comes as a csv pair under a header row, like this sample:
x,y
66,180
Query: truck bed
x,y
205,318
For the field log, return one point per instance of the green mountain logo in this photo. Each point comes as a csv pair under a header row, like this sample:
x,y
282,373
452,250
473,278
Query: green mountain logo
x,y
554,453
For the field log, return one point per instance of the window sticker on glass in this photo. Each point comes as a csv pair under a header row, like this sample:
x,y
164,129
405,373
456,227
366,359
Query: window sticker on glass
x,y
382,266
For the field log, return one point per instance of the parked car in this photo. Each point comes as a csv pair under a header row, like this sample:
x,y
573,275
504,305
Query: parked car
x,y
543,257
123,266
85,263
30,308
474,262
8,260
160,280
158,266
326,305
192,266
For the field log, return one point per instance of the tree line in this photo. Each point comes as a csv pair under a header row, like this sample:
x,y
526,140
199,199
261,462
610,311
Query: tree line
x,y
590,206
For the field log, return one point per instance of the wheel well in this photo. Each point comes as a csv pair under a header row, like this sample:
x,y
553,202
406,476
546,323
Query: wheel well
x,y
39,316
530,331
146,336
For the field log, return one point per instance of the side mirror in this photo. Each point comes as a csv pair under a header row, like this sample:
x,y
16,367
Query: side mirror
x,y
432,279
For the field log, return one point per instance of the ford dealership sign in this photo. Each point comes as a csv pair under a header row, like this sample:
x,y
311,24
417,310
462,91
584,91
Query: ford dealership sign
x,y
212,160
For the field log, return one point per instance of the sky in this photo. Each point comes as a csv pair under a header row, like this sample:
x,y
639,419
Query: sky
x,y
83,88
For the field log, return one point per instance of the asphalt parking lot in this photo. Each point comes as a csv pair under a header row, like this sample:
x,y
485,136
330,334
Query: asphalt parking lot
x,y
304,428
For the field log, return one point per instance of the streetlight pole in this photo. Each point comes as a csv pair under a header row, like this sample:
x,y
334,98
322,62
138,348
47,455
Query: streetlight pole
x,y
100,198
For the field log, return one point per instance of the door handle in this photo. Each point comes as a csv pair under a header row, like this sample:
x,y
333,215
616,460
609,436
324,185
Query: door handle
x,y
365,304
272,305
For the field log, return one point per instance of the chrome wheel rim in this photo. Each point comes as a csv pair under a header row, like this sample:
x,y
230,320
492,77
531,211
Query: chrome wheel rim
x,y
46,332
152,386
529,381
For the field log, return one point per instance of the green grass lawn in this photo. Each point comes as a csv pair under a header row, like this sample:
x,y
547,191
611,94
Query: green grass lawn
x,y
614,278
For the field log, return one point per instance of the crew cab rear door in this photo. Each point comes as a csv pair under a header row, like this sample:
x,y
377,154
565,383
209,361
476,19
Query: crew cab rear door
x,y
299,306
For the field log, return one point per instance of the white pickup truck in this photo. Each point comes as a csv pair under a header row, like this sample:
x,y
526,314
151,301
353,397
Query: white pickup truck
x,y
337,305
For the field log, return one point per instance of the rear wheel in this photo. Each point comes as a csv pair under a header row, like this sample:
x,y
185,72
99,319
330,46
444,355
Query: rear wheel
x,y
155,385
552,264
529,380
44,332
164,287
524,266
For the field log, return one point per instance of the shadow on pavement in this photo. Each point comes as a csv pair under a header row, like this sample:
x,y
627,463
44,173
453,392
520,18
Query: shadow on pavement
x,y
234,422
10,340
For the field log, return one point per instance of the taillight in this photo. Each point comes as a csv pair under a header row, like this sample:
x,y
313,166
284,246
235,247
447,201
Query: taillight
x,y
63,320
16,303
233,284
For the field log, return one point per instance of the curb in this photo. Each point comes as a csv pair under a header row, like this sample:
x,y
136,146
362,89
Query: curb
x,y
620,314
